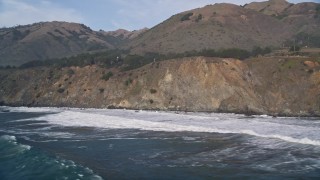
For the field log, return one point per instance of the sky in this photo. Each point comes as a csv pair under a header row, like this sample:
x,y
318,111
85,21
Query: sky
x,y
106,15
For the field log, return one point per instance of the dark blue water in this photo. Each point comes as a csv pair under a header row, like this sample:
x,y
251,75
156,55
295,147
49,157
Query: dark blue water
x,y
43,143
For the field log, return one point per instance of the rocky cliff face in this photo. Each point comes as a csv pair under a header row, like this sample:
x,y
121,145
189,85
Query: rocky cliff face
x,y
277,86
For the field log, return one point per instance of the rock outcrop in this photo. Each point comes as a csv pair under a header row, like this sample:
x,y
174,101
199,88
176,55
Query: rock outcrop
x,y
275,86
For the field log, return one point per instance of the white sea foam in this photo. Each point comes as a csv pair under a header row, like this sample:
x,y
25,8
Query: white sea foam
x,y
13,140
34,109
8,138
288,129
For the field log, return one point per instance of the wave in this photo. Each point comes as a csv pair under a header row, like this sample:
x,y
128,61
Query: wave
x,y
33,109
291,130
8,138
10,147
285,138
18,161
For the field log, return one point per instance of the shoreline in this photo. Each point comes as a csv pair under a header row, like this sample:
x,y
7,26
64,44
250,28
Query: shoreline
x,y
177,111
196,84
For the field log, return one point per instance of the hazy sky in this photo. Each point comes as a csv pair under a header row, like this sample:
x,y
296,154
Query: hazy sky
x,y
101,14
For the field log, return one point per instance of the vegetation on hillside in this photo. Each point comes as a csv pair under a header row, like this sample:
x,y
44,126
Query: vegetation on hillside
x,y
49,40
107,76
305,39
219,26
317,15
186,17
126,61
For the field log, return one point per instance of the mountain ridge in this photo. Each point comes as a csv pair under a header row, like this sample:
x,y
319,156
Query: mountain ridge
x,y
47,40
140,76
228,25
218,26
214,26
51,40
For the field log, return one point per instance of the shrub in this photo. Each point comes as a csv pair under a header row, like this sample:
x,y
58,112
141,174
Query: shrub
x,y
128,82
9,67
186,17
199,18
16,34
107,76
318,9
60,90
153,91
101,90
151,101
105,59
234,53
294,48
70,72
267,50
305,39
280,17
208,53
31,64
260,51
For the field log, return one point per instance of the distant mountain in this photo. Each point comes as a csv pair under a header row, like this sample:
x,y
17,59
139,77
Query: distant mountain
x,y
46,40
302,19
273,23
271,7
123,34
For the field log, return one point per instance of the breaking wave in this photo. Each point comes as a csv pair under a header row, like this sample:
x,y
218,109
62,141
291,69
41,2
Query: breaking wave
x,y
287,129
19,161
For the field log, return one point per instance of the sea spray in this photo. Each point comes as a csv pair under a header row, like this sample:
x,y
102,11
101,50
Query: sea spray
x,y
123,144
260,126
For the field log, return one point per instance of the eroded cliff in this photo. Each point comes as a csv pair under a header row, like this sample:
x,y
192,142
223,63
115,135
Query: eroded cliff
x,y
277,86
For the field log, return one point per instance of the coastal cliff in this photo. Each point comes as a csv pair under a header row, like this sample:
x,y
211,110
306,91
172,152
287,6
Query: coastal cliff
x,y
286,86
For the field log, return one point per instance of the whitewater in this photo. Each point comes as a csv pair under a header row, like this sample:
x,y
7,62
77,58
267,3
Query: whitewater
x,y
295,130
142,144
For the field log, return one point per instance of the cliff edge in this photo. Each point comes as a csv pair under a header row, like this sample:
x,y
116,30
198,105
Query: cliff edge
x,y
287,86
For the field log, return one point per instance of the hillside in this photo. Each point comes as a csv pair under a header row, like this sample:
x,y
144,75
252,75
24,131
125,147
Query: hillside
x,y
303,19
272,23
124,35
212,27
47,40
276,86
150,68
271,7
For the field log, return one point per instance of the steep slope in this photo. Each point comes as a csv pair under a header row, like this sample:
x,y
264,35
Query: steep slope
x,y
271,7
212,27
303,19
48,40
277,86
273,23
123,34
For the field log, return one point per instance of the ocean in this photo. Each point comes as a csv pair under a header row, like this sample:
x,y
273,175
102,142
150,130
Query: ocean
x,y
69,143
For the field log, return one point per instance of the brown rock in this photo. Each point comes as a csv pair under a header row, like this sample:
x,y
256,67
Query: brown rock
x,y
260,85
311,64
